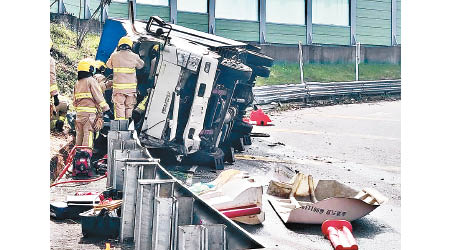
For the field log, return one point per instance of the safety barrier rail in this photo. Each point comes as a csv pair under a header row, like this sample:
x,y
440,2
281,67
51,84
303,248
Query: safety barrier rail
x,y
316,90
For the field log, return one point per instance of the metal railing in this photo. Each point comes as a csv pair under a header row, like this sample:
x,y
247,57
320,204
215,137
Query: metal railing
x,y
316,90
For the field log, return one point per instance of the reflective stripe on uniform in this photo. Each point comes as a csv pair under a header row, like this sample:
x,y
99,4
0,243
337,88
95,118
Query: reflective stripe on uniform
x,y
124,85
91,139
120,118
141,105
83,95
86,109
124,70
103,104
53,87
62,118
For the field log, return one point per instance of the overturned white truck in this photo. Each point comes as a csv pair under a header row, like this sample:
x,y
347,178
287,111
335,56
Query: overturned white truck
x,y
193,90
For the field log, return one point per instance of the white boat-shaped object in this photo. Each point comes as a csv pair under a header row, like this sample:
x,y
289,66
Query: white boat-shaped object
x,y
333,201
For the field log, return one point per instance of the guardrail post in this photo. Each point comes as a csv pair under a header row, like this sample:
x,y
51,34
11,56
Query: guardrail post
x,y
357,59
309,39
212,16
300,61
262,21
173,11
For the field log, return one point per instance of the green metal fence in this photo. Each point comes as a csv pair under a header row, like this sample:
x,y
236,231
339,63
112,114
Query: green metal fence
x,y
376,22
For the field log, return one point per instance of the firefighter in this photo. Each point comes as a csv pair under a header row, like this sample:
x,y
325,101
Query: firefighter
x,y
100,68
124,63
59,114
88,102
53,86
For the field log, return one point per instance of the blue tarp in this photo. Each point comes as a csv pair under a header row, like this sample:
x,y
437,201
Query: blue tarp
x,y
112,32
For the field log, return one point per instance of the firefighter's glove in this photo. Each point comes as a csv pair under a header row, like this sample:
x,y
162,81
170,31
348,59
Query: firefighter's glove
x,y
55,100
108,116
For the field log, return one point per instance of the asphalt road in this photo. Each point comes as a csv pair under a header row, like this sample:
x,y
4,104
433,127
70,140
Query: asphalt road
x,y
357,144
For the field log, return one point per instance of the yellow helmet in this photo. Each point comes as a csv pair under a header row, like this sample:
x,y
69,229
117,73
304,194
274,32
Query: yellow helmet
x,y
125,40
86,64
99,64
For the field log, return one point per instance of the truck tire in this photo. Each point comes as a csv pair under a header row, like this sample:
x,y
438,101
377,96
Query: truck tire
x,y
235,70
258,59
261,71
213,158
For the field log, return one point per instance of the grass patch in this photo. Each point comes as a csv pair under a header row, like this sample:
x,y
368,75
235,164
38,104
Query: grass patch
x,y
283,73
67,55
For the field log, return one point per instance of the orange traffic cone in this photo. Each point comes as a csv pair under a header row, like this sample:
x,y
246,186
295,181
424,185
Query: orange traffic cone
x,y
339,232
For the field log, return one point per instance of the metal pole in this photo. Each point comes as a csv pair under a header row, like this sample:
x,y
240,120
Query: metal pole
x,y
352,22
212,16
300,61
309,22
173,11
87,13
60,7
133,2
104,13
262,21
393,22
357,60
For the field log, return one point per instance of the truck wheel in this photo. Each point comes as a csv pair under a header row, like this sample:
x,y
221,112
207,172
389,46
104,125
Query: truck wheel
x,y
235,70
261,71
258,59
241,127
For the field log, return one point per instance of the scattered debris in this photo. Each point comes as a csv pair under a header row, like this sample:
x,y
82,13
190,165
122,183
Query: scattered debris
x,y
235,194
261,158
302,201
339,232
259,135
276,144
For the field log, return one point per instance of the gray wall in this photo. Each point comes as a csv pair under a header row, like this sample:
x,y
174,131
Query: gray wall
x,y
333,54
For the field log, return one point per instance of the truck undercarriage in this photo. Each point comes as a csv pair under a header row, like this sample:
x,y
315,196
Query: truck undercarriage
x,y
193,90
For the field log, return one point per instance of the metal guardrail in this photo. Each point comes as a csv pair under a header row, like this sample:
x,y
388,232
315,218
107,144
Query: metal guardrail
x,y
311,90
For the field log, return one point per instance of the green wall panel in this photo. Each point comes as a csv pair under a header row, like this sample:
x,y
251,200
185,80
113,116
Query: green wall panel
x,y
144,12
373,22
399,22
118,10
330,34
73,7
238,29
285,33
197,21
54,8
93,5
